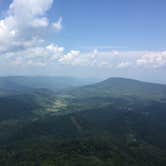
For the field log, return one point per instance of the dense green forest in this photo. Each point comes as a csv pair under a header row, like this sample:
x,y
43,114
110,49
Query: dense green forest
x,y
116,122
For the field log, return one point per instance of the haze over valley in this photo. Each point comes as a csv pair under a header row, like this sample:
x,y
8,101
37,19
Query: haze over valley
x,y
82,83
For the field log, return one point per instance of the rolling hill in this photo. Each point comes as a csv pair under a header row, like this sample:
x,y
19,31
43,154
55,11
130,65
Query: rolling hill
x,y
114,122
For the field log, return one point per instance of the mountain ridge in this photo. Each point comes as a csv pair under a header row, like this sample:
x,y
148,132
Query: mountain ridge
x,y
95,124
122,87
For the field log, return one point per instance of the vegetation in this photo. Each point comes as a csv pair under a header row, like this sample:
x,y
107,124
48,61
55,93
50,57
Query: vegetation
x,y
113,123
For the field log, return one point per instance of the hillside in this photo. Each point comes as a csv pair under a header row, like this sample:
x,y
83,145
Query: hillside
x,y
121,87
114,122
124,93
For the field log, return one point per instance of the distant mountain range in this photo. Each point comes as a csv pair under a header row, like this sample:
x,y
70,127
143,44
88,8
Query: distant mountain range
x,y
63,121
18,84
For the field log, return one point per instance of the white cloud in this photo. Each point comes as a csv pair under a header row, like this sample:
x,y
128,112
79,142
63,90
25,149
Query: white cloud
x,y
70,57
115,59
58,24
23,42
153,59
40,22
7,32
54,48
39,56
26,10
24,21
44,55
123,65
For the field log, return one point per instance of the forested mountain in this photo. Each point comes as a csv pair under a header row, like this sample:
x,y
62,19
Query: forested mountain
x,y
114,122
120,87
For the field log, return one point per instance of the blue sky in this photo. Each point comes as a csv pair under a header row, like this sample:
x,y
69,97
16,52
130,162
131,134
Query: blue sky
x,y
135,25
111,37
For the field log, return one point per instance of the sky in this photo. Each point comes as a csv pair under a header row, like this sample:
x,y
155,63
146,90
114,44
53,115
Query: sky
x,y
84,38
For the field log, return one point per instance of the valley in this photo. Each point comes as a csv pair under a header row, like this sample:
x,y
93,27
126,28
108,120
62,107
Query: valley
x,y
114,122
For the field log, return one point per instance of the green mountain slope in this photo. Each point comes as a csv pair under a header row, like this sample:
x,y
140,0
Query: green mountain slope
x,y
115,122
120,87
107,136
125,93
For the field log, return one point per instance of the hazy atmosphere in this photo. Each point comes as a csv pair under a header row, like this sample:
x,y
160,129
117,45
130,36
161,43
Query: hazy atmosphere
x,y
83,38
82,83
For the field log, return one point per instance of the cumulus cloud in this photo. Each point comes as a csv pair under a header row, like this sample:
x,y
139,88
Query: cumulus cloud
x,y
115,59
70,57
24,21
153,59
40,22
39,56
22,42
